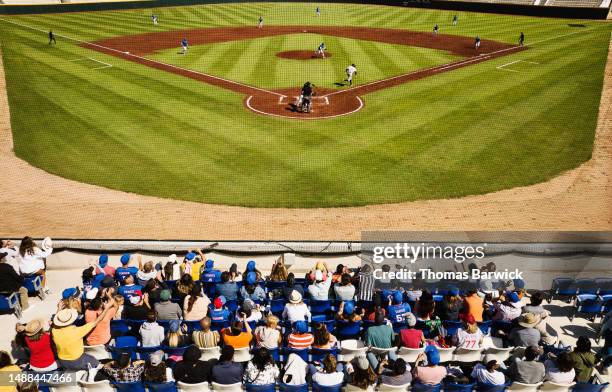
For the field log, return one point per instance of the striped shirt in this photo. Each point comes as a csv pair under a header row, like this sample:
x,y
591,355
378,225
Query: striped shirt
x,y
300,341
366,287
206,339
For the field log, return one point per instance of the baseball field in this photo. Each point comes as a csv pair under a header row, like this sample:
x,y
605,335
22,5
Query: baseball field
x,y
114,103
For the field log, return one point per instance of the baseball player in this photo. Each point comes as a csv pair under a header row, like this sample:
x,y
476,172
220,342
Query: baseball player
x,y
318,11
260,23
455,20
436,29
154,19
305,96
351,71
321,50
477,42
184,46
52,38
521,39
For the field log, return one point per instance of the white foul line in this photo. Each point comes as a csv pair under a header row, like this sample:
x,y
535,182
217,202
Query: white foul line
x,y
248,104
502,67
143,58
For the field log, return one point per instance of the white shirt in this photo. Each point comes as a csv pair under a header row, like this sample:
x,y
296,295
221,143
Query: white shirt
x,y
469,340
350,70
483,376
11,257
296,312
328,379
553,374
152,334
319,291
30,263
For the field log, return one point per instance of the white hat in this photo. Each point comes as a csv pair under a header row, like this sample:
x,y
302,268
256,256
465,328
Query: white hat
x,y
65,317
318,275
92,293
47,243
295,297
134,299
172,258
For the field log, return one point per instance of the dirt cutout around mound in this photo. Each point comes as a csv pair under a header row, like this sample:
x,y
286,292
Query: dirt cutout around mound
x,y
302,55
279,103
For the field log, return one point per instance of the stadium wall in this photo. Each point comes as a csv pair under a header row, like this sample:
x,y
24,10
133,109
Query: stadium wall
x,y
557,12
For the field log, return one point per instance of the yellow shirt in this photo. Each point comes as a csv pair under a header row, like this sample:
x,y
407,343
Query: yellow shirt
x,y
12,369
195,270
69,341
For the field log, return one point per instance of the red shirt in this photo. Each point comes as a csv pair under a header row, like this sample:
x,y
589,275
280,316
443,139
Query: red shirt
x,y
301,341
411,337
41,354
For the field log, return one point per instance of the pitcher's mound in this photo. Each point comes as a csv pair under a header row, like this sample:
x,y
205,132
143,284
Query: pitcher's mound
x,y
302,55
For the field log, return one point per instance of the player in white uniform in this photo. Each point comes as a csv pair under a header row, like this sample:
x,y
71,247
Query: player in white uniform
x,y
351,71
318,11
260,23
154,19
321,50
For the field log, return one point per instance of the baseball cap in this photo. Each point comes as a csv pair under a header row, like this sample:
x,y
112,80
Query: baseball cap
x,y
398,297
513,297
210,264
92,293
125,258
318,275
433,355
103,260
251,278
410,319
135,298
453,291
250,266
470,319
218,303
172,258
165,295
362,362
301,326
190,256
349,307
156,357
69,292
174,325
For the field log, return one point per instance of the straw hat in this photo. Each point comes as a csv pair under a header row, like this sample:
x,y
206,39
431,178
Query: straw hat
x,y
296,297
529,320
65,317
33,327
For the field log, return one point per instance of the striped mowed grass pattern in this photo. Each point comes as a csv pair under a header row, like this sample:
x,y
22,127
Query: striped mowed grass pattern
x,y
473,130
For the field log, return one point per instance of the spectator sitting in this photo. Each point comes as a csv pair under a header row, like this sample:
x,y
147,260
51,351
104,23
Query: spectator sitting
x,y
322,338
291,286
235,336
12,282
362,375
279,271
155,369
153,289
380,335
432,373
172,269
295,370
509,308
124,370
101,334
183,287
151,333
319,290
529,370
395,372
269,336
474,305
206,338
32,259
425,306
449,308
187,265
167,310
471,337
196,304
535,307
68,339
227,288
411,337
226,371
103,267
346,312
175,336
250,310
319,266
584,359
251,290
340,270
330,372
190,370
345,291
296,309
120,305
525,334
397,307
251,266
38,341
210,274
136,308
261,370
12,253
235,275
125,270
197,264
488,374
90,280
560,369
300,339
6,365
147,273
219,314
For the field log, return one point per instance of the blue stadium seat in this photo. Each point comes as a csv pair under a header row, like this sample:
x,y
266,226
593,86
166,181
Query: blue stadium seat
x,y
452,387
129,386
260,388
587,387
192,326
452,327
9,303
124,344
320,388
500,325
320,307
282,387
170,283
34,285
178,351
119,327
485,326
317,354
348,330
418,387
161,386
438,297
144,352
303,353
562,287
126,341
277,306
272,285
232,305
588,304
586,286
604,285
491,388
275,354
607,303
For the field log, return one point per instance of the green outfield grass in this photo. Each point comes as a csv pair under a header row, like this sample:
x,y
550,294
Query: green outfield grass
x,y
474,130
255,62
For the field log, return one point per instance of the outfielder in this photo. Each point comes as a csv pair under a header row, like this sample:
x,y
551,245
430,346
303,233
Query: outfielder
x,y
260,23
521,39
321,50
351,71
154,19
318,11
436,29
52,38
455,20
184,46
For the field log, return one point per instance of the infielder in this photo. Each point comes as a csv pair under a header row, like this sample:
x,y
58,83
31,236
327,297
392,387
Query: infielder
x,y
455,20
260,23
184,46
521,39
318,11
477,42
321,50
52,38
351,71
154,19
436,29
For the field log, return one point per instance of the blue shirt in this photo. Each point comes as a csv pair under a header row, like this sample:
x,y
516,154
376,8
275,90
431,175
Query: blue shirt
x,y
211,276
127,291
397,313
229,290
123,272
219,315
